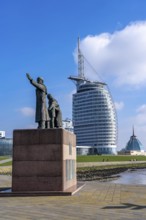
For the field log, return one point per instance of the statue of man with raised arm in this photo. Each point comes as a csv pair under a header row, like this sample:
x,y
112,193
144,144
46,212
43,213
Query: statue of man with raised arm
x,y
41,116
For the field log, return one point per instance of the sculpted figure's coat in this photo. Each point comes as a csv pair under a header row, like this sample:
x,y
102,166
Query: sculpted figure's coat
x,y
54,112
41,116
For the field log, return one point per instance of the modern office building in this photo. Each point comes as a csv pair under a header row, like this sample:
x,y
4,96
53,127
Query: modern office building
x,y
94,115
5,144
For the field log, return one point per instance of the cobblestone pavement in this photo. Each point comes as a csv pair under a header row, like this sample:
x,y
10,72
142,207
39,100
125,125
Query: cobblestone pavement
x,y
96,200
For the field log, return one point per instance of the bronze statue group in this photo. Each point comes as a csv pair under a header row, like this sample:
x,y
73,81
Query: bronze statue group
x,y
46,117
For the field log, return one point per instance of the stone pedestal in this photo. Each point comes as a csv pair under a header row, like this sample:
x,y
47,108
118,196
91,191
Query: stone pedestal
x,y
43,160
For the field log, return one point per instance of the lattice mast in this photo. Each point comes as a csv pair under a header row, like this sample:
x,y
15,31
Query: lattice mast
x,y
80,62
80,78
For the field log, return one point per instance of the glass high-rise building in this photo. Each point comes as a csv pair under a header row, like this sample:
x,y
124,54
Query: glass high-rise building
x,y
5,144
94,114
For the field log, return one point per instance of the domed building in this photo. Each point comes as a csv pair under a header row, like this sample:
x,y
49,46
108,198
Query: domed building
x,y
134,146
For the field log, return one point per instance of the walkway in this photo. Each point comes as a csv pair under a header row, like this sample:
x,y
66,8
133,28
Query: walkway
x,y
5,161
95,201
91,164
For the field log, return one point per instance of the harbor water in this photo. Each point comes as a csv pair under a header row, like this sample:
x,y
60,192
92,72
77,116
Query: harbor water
x,y
131,177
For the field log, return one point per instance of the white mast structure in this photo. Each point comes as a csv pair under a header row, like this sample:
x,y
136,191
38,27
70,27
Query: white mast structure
x,y
80,62
80,78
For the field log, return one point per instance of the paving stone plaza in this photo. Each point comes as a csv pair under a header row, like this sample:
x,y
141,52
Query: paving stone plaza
x,y
96,200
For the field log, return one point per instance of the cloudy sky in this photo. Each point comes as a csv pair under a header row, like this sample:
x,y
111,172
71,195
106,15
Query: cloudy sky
x,y
40,37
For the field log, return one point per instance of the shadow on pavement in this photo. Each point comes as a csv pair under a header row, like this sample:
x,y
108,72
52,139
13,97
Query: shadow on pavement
x,y
125,206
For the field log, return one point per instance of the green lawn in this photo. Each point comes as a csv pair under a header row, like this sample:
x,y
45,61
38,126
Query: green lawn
x,y
94,158
6,164
110,158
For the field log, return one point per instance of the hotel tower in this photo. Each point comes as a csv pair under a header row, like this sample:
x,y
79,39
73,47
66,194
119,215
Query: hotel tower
x,y
94,115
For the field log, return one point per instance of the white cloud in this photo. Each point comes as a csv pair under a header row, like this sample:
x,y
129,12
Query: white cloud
x,y
119,105
69,96
140,118
120,56
141,109
27,111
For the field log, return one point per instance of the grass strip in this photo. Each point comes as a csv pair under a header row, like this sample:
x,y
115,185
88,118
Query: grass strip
x,y
6,164
109,158
128,166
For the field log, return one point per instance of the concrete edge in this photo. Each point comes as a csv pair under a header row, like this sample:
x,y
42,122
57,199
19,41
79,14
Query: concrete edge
x,y
6,192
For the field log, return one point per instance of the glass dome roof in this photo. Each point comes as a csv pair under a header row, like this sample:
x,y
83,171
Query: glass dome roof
x,y
134,144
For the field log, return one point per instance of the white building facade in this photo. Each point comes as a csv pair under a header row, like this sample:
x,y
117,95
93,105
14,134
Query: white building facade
x,y
94,117
2,134
67,125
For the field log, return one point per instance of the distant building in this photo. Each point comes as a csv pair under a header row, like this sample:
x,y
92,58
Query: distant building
x,y
85,150
67,124
133,147
5,144
134,144
2,134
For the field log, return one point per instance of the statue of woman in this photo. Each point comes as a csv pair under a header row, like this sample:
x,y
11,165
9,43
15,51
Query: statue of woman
x,y
54,112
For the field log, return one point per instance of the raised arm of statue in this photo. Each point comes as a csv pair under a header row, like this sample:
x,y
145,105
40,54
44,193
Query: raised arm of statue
x,y
39,84
28,76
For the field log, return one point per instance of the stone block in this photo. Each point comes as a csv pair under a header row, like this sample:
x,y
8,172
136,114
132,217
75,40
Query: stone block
x,y
43,160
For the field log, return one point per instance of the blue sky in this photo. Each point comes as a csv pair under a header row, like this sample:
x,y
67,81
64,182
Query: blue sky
x,y
40,37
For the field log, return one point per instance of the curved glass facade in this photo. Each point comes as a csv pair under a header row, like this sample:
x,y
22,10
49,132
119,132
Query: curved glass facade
x,y
6,146
94,118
